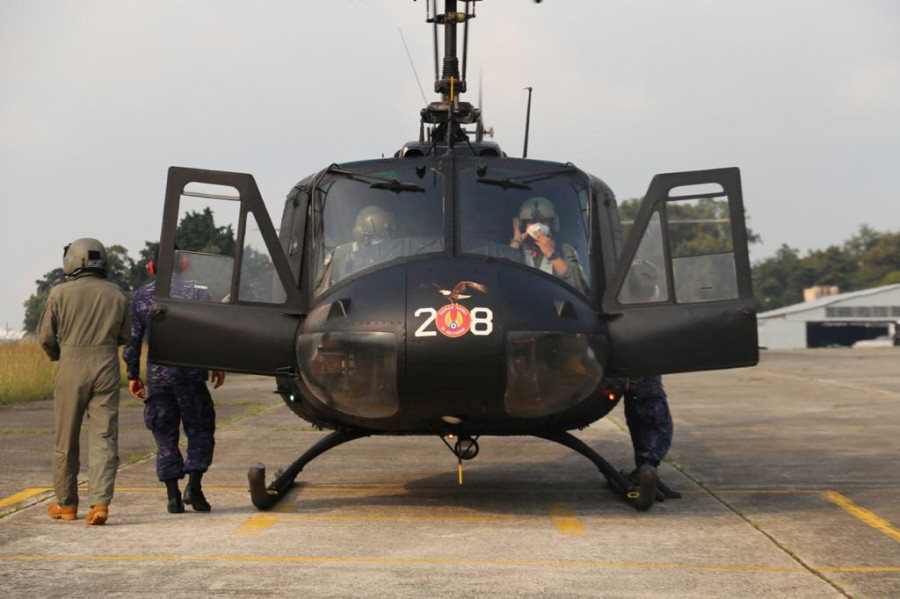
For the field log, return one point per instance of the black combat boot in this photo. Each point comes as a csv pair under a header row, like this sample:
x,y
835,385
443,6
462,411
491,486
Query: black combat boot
x,y
193,494
647,482
175,504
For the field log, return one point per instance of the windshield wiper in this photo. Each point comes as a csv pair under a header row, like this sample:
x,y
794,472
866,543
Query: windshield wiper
x,y
376,182
512,182
506,183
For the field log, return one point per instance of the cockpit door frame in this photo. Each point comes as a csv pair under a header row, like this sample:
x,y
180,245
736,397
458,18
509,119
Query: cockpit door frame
x,y
665,336
237,336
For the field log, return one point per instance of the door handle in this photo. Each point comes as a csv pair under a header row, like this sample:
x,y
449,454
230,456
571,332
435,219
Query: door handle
x,y
158,312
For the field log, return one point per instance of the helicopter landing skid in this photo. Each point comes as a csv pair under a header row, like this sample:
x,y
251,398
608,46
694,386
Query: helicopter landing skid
x,y
266,497
617,481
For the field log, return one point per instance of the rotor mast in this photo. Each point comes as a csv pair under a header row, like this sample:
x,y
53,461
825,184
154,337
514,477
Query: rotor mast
x,y
447,115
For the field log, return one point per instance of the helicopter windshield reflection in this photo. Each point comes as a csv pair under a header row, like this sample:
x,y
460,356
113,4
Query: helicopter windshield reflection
x,y
367,219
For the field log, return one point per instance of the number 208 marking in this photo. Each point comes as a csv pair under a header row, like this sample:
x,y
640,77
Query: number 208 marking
x,y
482,322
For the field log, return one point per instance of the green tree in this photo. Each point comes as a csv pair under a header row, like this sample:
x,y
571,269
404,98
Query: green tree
x,y
779,281
881,261
696,228
140,273
197,232
34,305
119,267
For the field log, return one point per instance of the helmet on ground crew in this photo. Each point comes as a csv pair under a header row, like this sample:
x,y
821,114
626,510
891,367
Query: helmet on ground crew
x,y
84,255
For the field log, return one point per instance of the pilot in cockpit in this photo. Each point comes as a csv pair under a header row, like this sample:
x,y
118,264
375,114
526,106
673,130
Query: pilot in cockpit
x,y
374,225
535,235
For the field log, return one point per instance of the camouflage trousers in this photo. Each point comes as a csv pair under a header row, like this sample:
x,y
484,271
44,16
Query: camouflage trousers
x,y
166,409
649,420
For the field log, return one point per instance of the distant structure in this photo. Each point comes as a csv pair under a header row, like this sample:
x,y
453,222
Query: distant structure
x,y
8,335
811,294
835,320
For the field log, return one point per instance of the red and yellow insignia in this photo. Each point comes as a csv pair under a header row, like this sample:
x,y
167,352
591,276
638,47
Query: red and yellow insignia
x,y
453,320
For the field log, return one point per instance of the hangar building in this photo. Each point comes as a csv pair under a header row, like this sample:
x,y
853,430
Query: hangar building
x,y
834,320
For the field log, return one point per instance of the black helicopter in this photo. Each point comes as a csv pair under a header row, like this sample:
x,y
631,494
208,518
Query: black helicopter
x,y
405,295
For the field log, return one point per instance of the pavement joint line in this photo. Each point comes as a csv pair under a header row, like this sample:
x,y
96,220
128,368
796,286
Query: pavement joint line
x,y
325,489
436,561
836,383
818,572
866,516
442,561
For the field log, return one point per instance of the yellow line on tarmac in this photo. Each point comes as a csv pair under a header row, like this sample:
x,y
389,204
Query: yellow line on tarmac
x,y
255,525
415,560
863,514
564,520
405,518
22,496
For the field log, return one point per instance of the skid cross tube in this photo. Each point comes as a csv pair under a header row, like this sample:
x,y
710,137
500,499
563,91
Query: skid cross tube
x,y
264,498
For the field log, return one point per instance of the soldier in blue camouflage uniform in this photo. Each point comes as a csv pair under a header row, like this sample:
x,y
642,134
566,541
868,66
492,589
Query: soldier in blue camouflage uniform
x,y
646,405
174,395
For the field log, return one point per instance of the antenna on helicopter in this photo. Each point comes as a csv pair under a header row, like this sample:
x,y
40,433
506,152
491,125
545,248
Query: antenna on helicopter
x,y
527,123
413,65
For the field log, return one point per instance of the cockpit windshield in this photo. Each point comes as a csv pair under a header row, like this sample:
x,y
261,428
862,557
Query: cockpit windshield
x,y
537,217
365,218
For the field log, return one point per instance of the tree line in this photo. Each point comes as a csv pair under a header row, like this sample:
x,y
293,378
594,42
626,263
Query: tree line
x,y
868,259
197,231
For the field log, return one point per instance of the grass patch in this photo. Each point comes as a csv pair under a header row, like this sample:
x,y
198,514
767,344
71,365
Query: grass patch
x,y
247,413
138,457
27,373
26,431
297,429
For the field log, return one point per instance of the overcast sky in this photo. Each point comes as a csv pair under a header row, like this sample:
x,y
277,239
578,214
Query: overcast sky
x,y
98,99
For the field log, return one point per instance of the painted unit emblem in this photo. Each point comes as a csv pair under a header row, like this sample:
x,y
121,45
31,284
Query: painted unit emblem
x,y
453,320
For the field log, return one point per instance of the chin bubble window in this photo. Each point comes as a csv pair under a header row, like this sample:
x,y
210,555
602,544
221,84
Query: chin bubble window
x,y
548,372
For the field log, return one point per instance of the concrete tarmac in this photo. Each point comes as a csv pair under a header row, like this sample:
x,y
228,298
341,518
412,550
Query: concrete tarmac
x,y
788,471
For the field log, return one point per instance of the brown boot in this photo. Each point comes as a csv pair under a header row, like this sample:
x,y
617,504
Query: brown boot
x,y
97,515
58,512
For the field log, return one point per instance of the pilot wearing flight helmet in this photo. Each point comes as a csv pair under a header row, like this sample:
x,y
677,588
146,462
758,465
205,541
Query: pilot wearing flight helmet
x,y
535,236
373,226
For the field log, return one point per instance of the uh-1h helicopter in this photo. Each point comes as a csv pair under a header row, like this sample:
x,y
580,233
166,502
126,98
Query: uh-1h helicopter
x,y
405,295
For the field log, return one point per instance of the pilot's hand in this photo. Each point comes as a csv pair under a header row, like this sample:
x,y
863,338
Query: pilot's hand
x,y
546,245
518,235
136,389
217,377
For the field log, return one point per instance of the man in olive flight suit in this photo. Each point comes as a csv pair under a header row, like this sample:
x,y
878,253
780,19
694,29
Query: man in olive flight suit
x,y
83,322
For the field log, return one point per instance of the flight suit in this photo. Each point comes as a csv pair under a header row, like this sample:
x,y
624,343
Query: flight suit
x,y
176,395
648,418
574,276
83,322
